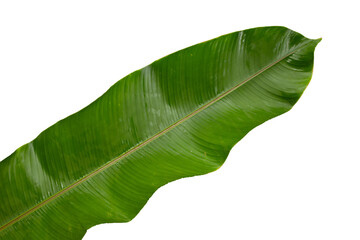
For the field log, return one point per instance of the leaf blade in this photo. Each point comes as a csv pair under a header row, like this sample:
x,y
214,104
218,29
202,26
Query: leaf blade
x,y
173,99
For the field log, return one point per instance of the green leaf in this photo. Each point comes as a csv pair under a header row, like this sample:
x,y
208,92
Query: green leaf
x,y
177,117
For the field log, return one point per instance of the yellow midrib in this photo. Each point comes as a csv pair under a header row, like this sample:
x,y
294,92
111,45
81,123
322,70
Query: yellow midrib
x,y
130,151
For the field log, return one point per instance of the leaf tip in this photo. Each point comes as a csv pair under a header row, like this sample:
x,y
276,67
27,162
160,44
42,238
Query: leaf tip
x,y
316,41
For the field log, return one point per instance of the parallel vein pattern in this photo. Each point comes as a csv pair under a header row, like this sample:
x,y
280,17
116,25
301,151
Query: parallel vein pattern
x,y
73,169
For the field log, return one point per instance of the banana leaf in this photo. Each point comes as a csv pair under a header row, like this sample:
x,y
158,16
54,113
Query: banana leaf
x,y
177,117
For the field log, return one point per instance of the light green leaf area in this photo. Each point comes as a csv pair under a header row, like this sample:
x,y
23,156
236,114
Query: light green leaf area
x,y
177,117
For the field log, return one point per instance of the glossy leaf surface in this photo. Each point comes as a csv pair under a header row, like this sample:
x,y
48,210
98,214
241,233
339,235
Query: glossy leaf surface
x,y
175,118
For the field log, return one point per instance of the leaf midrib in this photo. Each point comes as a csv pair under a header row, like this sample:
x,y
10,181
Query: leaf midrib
x,y
142,144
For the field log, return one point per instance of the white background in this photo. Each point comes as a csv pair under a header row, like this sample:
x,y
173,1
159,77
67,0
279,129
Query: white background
x,y
294,177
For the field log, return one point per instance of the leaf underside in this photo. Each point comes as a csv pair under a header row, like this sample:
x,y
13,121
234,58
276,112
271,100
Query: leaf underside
x,y
177,117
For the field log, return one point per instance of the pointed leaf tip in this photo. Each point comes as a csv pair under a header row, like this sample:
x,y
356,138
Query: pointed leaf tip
x,y
317,40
